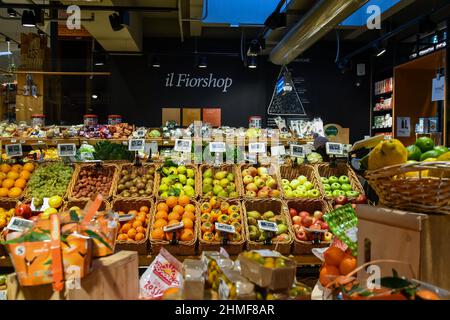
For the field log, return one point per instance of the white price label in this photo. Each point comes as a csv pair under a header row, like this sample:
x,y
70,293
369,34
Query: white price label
x,y
335,149
67,150
277,151
183,145
126,217
140,133
267,226
225,227
268,253
252,158
298,151
136,145
257,147
173,227
217,147
13,140
19,224
44,206
352,233
14,150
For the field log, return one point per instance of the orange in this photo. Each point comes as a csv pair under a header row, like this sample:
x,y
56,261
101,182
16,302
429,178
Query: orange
x,y
143,209
187,235
160,223
122,237
20,183
131,233
172,222
140,229
333,256
189,215
328,274
28,167
174,216
169,235
183,200
8,183
5,168
162,206
157,234
134,212
161,215
190,207
14,192
178,209
141,219
17,168
348,264
137,223
139,236
3,192
25,175
171,201
12,175
188,223
126,227
2,175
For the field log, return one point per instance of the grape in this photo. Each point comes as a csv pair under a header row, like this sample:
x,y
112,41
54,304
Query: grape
x,y
50,180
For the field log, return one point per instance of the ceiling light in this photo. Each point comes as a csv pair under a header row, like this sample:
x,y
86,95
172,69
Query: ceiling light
x,y
12,13
255,48
119,20
203,63
28,19
380,49
381,52
156,63
252,62
94,96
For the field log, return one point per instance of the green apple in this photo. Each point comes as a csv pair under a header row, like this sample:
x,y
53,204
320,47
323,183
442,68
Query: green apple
x,y
301,189
178,185
337,193
352,194
343,179
335,186
325,180
308,185
217,189
163,187
191,182
230,177
326,187
294,184
165,194
333,179
223,194
207,174
220,175
233,194
191,174
181,170
216,182
206,181
289,193
166,180
285,181
346,187
231,187
314,193
207,189
173,170
182,178
302,179
328,194
224,182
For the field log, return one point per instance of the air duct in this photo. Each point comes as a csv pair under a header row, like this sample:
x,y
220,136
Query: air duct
x,y
321,19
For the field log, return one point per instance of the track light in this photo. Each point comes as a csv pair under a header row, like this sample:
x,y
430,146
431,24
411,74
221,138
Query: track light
x,y
12,13
100,60
156,63
255,48
28,19
203,62
380,49
119,20
39,16
252,62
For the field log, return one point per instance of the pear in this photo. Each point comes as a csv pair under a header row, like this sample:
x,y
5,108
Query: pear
x,y
267,215
220,175
208,173
254,214
252,221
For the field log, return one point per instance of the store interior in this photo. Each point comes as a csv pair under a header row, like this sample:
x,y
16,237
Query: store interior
x,y
260,149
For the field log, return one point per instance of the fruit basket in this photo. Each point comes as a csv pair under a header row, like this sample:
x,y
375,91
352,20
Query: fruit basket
x,y
141,177
339,171
181,241
256,239
291,178
227,178
303,240
141,209
14,180
90,179
169,181
259,182
227,212
418,187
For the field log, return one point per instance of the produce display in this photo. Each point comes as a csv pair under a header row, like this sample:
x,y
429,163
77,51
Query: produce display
x,y
49,180
257,235
338,187
14,179
5,217
259,183
266,262
309,226
93,180
106,150
176,180
135,229
300,187
337,263
219,183
136,181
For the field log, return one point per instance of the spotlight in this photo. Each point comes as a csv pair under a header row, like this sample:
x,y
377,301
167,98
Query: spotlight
x,y
119,20
28,19
39,16
203,62
12,13
100,61
252,62
255,48
380,49
156,63
94,96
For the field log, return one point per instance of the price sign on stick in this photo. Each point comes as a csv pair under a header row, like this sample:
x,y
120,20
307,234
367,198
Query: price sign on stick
x,y
173,227
136,144
277,151
334,149
225,227
217,147
298,151
19,224
183,145
257,147
267,226
13,150
67,150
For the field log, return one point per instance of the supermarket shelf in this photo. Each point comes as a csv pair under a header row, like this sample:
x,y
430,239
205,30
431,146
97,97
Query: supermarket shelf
x,y
384,94
382,111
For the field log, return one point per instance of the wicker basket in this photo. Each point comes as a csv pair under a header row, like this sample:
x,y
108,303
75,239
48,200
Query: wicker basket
x,y
310,205
418,187
290,172
277,206
110,169
338,169
182,248
232,248
196,177
24,191
141,246
273,172
130,166
7,205
230,168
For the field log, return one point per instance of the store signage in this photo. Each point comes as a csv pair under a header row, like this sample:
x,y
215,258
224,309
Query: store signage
x,y
173,227
257,147
217,147
299,151
267,226
136,144
13,150
183,145
185,80
19,224
334,149
277,151
225,228
403,126
438,89
67,150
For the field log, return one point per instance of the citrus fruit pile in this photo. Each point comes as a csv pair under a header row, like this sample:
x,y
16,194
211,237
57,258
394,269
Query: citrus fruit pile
x,y
14,179
337,263
135,229
5,216
170,212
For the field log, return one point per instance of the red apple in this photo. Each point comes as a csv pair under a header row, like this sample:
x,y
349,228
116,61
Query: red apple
x,y
318,214
341,200
325,226
23,210
361,199
307,221
304,214
293,212
297,220
263,194
302,236
297,228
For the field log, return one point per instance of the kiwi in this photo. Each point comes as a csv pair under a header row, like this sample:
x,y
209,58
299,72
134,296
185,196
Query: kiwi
x,y
121,187
129,184
140,186
133,189
124,173
126,194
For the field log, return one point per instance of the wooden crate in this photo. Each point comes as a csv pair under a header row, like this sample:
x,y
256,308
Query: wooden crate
x,y
115,277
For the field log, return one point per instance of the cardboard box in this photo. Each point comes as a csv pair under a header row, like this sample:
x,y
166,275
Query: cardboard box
x,y
419,239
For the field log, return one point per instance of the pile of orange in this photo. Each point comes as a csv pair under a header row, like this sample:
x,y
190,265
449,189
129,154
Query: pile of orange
x,y
337,263
135,229
170,212
14,178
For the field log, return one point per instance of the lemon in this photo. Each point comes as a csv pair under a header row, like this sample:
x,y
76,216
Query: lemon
x,y
387,153
75,208
50,211
55,202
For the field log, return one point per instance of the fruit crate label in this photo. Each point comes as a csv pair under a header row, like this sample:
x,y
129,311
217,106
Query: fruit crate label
x,y
183,145
67,150
334,149
217,147
126,217
257,147
224,291
268,253
267,226
19,224
136,144
298,151
173,227
44,206
14,150
13,140
277,151
225,227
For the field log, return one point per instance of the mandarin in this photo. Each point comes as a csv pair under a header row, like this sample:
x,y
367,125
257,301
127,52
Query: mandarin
x,y
161,215
126,227
157,234
28,167
178,209
25,175
14,192
131,233
188,223
189,215
17,168
122,237
171,201
183,200
4,192
162,206
20,183
160,223
347,265
328,274
144,209
139,236
189,207
140,229
12,175
333,256
5,168
187,235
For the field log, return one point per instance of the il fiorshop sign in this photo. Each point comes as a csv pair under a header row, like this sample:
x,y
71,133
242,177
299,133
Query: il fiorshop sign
x,y
185,80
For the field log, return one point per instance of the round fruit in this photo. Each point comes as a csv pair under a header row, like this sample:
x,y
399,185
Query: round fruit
x,y
16,168
178,209
25,175
126,227
122,237
189,207
333,256
5,168
425,144
173,222
139,236
140,229
157,234
187,235
137,224
161,215
174,216
55,201
144,209
328,274
183,200
13,175
28,167
20,183
188,223
131,233
160,223
171,201
4,192
14,192
430,154
347,265
208,236
162,207
188,215
8,183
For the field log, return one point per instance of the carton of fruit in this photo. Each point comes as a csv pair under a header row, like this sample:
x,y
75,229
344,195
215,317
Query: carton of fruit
x,y
15,178
268,269
222,181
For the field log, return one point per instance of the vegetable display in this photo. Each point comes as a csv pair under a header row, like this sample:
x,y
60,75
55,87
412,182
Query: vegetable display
x,y
105,150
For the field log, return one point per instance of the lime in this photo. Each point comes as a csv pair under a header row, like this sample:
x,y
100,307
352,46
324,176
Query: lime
x,y
441,149
414,152
425,144
430,154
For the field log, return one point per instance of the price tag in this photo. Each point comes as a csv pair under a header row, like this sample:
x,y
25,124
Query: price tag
x,y
67,150
267,226
277,151
126,217
257,147
217,147
13,150
19,224
298,151
173,227
252,158
183,145
22,141
268,253
125,143
44,206
13,140
136,145
225,228
315,230
335,149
